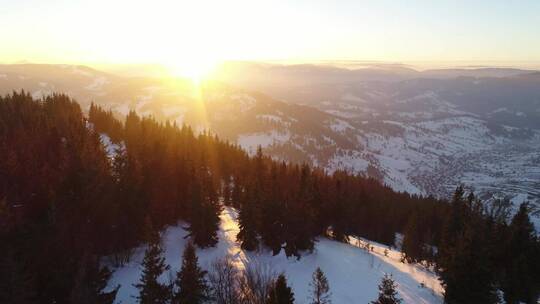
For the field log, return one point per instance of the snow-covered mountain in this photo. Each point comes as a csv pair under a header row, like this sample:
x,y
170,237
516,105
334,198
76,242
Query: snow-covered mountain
x,y
353,273
421,132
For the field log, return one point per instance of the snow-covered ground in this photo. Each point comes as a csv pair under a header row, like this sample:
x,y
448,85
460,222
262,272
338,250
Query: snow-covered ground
x,y
110,147
250,142
353,273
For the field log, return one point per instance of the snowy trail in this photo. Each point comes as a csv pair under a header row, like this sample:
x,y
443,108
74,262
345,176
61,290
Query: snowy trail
x,y
393,257
353,273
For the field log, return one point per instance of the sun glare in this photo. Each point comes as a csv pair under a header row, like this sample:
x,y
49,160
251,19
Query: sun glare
x,y
196,69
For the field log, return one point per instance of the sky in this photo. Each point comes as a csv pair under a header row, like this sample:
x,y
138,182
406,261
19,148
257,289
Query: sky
x,y
182,33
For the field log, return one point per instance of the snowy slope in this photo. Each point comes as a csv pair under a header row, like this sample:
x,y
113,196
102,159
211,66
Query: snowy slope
x,y
353,273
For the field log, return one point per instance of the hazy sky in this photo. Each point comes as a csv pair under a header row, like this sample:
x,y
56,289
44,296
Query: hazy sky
x,y
173,32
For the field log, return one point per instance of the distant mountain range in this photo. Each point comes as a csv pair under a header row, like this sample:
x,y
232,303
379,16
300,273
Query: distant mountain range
x,y
421,132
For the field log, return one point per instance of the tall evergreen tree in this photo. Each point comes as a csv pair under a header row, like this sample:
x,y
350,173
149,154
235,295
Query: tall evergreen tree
x,y
412,246
190,280
17,286
272,215
320,289
268,202
467,272
272,227
204,212
151,291
340,214
453,224
280,293
247,221
91,283
299,230
387,292
521,281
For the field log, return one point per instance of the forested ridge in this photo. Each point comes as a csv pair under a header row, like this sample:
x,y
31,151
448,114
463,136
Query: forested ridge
x,y
65,203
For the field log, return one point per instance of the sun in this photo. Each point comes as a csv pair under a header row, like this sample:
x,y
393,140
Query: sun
x,y
196,69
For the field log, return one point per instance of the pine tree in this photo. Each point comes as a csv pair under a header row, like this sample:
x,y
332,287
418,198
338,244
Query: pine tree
x,y
204,212
468,274
272,216
339,216
91,282
16,285
272,227
520,280
412,243
465,261
190,280
247,221
320,289
299,232
453,223
212,208
151,291
280,292
387,292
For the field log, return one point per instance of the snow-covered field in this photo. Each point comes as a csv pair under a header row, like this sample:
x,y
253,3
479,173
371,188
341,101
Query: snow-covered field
x,y
353,273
